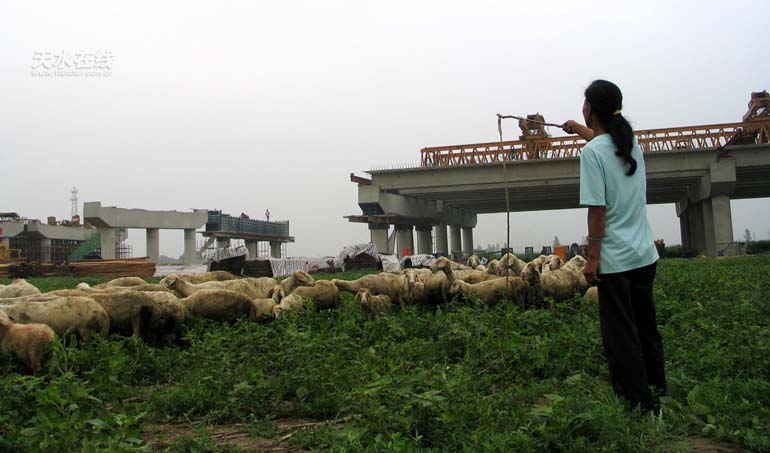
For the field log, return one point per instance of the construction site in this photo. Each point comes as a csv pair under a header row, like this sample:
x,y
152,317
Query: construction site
x,y
699,168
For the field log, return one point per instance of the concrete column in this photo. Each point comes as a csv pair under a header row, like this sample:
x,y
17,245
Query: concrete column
x,y
424,240
455,243
722,222
404,239
378,233
153,244
107,243
251,247
223,243
189,246
442,245
45,251
708,226
467,241
275,249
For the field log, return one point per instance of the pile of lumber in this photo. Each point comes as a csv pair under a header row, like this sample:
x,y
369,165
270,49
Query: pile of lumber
x,y
134,267
5,266
26,270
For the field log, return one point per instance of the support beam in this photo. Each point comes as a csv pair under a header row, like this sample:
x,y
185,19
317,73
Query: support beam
x,y
442,244
704,211
153,244
467,242
404,240
722,222
45,251
189,246
378,233
424,239
107,243
275,249
455,243
251,248
223,242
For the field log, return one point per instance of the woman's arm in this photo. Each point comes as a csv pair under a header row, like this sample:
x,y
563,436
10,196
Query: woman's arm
x,y
573,127
596,221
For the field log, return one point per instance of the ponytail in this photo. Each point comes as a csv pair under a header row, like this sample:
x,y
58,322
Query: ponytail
x,y
623,137
606,101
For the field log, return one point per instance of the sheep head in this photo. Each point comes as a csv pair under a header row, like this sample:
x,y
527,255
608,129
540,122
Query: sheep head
x,y
457,287
363,295
170,281
441,264
302,278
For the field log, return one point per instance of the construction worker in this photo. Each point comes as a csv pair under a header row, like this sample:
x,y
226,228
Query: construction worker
x,y
267,214
622,258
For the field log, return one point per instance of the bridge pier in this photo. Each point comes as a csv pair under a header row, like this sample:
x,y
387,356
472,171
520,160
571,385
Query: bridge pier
x,y
189,246
107,243
251,248
404,239
705,216
467,241
153,244
424,239
442,244
275,249
378,232
455,243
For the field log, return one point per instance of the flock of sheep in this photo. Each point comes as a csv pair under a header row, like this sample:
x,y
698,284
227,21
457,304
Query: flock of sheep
x,y
30,320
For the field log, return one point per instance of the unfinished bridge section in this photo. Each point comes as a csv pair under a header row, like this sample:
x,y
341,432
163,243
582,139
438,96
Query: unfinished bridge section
x,y
700,168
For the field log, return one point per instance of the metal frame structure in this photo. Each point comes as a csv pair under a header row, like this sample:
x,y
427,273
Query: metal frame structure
x,y
651,140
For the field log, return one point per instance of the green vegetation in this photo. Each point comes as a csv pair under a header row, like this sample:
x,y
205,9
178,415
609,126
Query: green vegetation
x,y
462,378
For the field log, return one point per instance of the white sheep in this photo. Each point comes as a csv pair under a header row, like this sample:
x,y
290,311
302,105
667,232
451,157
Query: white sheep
x,y
291,302
373,306
28,342
18,288
396,286
82,315
221,305
254,288
121,282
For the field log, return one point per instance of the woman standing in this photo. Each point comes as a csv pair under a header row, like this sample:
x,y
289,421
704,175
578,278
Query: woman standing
x,y
622,258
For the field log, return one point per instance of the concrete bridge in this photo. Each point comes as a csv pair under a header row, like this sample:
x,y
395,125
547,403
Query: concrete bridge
x,y
699,168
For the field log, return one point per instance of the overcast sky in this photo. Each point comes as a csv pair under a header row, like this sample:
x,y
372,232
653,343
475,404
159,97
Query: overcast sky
x,y
243,106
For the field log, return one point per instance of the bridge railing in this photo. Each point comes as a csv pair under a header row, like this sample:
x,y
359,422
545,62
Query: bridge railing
x,y
651,140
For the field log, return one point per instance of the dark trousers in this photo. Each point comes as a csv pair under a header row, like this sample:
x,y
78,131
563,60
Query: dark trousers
x,y
632,343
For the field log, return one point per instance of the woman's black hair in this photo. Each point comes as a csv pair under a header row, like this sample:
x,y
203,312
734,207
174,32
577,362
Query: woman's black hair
x,y
606,101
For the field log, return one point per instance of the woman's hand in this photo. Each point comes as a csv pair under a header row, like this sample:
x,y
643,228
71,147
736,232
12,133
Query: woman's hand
x,y
569,126
573,127
591,272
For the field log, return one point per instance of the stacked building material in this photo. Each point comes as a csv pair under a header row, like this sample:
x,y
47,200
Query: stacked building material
x,y
32,269
134,267
257,268
5,266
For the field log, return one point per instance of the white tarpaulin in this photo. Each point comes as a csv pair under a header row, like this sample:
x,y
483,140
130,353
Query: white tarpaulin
x,y
390,263
418,260
319,264
353,251
283,267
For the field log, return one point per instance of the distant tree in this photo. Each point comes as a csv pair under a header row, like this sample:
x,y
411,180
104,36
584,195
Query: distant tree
x,y
556,242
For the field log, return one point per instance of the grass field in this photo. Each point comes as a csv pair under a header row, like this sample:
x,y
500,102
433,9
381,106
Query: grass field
x,y
462,378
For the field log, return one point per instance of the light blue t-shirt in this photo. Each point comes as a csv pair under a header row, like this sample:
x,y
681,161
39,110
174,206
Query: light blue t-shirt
x,y
627,243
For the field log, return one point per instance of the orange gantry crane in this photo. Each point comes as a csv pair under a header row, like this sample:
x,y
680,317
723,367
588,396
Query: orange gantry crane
x,y
754,128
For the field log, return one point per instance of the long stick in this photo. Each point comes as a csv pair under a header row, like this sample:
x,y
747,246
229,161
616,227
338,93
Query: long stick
x,y
543,123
